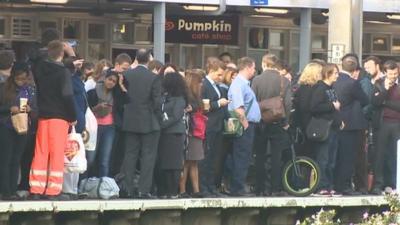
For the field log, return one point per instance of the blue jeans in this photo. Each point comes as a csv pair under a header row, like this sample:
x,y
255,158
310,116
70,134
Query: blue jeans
x,y
241,158
105,139
325,156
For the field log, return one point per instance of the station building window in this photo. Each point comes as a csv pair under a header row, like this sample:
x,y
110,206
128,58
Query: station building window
x,y
122,33
96,51
189,56
143,33
43,25
294,51
266,40
2,26
96,47
22,28
97,31
234,51
72,29
380,43
366,43
258,38
210,50
396,44
319,45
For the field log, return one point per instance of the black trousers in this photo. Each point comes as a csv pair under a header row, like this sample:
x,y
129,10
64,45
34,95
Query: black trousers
x,y
169,182
348,143
220,160
388,134
12,148
361,170
117,155
26,161
279,142
141,147
207,165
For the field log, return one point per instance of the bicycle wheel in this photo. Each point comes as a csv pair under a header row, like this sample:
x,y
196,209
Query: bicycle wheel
x,y
301,178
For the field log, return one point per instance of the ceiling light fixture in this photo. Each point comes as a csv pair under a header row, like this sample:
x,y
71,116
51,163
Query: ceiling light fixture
x,y
261,16
271,10
393,16
325,12
50,1
200,7
377,22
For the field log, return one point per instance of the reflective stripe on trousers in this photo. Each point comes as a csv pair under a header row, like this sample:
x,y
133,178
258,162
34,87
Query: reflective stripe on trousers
x,y
48,162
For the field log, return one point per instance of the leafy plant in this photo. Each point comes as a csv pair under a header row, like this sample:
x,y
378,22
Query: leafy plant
x,y
391,217
321,218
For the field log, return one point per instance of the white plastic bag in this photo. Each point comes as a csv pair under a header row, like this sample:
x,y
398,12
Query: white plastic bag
x,y
90,133
74,154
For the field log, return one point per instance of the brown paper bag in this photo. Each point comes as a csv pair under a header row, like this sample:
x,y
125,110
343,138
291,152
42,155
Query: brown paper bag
x,y
20,122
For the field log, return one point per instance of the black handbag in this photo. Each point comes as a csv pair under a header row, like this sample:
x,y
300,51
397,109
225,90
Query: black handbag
x,y
318,129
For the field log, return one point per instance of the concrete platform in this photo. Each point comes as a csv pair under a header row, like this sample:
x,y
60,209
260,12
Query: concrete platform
x,y
207,211
184,204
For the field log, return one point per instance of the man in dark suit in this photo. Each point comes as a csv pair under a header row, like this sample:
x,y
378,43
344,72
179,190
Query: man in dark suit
x,y
141,124
216,109
267,85
352,99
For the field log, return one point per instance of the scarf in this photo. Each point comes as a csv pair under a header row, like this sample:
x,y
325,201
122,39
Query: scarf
x,y
104,97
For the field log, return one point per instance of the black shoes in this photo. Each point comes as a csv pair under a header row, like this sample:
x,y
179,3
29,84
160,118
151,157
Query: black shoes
x,y
350,192
146,196
60,197
11,198
243,195
34,197
196,195
184,195
279,194
376,191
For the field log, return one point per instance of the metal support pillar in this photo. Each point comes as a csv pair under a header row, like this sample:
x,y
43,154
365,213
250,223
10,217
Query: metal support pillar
x,y
305,37
357,27
159,31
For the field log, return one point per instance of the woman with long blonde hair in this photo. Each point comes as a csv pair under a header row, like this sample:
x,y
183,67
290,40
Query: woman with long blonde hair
x,y
311,74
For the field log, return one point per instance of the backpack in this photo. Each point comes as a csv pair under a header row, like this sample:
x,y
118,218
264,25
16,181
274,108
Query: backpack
x,y
99,188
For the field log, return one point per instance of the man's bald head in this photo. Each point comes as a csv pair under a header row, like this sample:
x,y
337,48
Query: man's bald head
x,y
142,56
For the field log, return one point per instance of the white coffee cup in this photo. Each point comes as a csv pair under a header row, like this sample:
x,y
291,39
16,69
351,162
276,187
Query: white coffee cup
x,y
23,102
206,103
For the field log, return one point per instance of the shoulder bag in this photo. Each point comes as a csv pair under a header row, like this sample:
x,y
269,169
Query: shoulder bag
x,y
273,109
20,122
232,126
318,129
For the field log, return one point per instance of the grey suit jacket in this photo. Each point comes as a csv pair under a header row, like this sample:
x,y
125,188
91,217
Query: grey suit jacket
x,y
268,85
142,114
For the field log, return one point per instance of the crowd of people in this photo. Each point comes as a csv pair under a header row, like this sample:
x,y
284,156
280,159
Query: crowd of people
x,y
161,130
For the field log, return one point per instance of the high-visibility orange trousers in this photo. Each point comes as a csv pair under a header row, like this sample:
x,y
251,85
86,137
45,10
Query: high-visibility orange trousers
x,y
46,176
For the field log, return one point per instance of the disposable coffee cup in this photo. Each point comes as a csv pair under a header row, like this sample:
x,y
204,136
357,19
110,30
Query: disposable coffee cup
x,y
23,102
206,103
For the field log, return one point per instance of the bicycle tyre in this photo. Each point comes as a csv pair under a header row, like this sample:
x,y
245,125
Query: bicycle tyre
x,y
313,175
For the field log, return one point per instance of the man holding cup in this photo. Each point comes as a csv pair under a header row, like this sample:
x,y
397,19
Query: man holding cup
x,y
386,99
215,105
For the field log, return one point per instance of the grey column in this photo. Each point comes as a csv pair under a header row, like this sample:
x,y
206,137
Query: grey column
x,y
305,37
159,31
357,27
340,30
